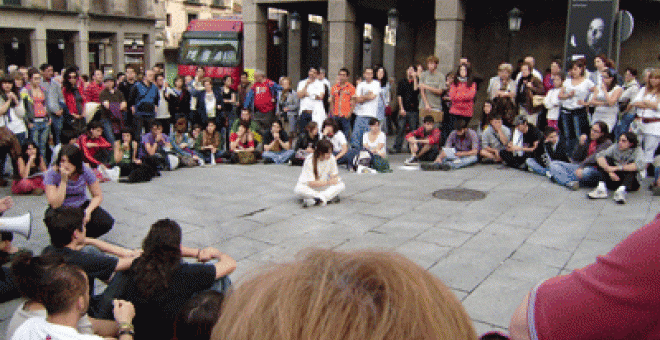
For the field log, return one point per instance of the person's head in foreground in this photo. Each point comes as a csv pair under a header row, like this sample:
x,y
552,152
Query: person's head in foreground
x,y
336,295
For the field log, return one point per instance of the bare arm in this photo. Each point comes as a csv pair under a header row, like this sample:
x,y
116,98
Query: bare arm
x,y
111,248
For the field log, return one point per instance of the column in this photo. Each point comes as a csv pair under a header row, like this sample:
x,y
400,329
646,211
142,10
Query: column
x,y
38,45
449,17
294,54
149,50
389,55
81,46
377,37
325,45
343,37
118,52
255,35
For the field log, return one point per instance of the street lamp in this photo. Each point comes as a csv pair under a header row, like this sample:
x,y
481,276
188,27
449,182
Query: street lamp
x,y
392,18
515,18
367,44
134,45
277,37
294,21
60,44
14,43
315,40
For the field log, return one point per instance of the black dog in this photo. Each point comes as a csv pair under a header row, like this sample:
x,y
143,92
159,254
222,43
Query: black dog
x,y
143,173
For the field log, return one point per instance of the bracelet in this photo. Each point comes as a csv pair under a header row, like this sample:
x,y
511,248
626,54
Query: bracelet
x,y
126,326
130,332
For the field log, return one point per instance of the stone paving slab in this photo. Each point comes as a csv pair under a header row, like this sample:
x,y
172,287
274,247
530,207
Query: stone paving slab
x,y
490,252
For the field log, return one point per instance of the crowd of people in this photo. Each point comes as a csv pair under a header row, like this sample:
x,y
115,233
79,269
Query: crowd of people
x,y
66,134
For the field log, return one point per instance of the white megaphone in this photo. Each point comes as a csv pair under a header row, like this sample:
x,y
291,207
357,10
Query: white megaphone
x,y
19,224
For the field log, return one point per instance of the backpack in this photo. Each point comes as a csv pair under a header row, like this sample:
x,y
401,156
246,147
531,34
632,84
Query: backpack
x,y
362,158
380,164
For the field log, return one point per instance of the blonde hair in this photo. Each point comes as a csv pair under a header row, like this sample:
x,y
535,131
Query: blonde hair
x,y
505,67
654,73
344,296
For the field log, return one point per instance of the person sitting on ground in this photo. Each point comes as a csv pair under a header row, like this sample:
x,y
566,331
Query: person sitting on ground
x,y
319,182
209,144
159,283
374,139
67,183
619,165
68,238
28,272
552,150
96,150
65,296
461,149
242,144
494,139
67,137
156,144
246,116
125,154
613,298
346,295
524,143
182,144
198,316
277,147
306,143
340,148
581,171
31,167
423,142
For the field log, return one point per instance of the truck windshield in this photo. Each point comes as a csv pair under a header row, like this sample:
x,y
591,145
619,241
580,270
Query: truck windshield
x,y
212,52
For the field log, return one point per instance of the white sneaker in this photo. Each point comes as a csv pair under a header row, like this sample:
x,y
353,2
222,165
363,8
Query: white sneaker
x,y
620,196
598,193
114,174
411,161
308,202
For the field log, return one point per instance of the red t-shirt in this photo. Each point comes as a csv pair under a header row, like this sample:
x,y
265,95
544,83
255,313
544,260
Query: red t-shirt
x,y
263,98
617,297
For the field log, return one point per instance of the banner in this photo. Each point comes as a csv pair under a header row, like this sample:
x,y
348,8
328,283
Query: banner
x,y
589,30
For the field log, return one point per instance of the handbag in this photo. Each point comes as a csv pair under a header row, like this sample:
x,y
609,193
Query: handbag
x,y
246,157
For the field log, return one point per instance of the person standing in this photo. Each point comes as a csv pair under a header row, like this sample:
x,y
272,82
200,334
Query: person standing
x,y
311,92
144,95
408,98
125,88
262,97
163,114
55,98
341,101
93,90
431,87
114,104
36,112
366,98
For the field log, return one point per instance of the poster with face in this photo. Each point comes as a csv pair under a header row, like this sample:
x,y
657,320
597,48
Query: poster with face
x,y
589,31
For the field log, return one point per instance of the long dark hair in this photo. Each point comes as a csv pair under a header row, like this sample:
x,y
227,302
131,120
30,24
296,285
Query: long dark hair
x,y
66,83
322,147
161,257
3,95
24,154
469,75
605,131
383,82
74,155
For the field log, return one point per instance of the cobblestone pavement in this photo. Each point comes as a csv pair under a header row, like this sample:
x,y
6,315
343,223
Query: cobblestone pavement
x,y
489,251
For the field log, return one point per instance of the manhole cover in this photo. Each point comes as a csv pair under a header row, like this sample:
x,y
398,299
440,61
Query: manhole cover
x,y
459,194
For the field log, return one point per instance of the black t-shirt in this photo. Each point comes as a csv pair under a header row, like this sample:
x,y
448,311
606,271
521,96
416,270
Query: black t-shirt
x,y
226,107
409,96
268,137
304,141
96,265
533,135
154,317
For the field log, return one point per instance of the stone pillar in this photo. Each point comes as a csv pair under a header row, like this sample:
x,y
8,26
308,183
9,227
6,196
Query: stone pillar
x,y
449,18
117,41
38,45
325,44
81,46
294,55
389,55
149,50
377,37
343,36
255,33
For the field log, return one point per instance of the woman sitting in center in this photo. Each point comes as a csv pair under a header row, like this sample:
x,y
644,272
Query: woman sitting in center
x,y
319,182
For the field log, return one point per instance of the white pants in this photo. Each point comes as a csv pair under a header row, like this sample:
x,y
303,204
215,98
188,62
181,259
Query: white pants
x,y
327,194
649,144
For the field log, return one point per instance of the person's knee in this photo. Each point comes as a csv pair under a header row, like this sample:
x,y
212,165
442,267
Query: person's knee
x,y
519,327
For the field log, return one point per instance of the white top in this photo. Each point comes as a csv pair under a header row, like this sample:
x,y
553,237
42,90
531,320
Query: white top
x,y
163,108
582,90
650,128
517,140
21,315
552,103
211,104
380,139
13,119
314,89
338,140
370,107
325,169
606,113
40,329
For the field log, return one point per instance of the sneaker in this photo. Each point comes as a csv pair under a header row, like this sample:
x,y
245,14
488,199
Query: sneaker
x,y
573,185
598,193
620,197
308,202
548,174
335,199
411,161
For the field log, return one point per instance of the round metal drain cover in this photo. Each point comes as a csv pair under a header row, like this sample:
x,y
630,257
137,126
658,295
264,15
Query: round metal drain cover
x,y
459,194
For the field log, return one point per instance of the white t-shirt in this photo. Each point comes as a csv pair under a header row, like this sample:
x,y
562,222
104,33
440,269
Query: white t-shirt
x,y
372,145
314,89
338,140
14,118
649,128
163,108
211,105
582,90
325,169
370,107
552,103
40,329
21,315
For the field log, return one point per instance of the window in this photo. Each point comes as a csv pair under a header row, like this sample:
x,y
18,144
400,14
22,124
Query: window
x,y
192,16
218,3
168,19
11,2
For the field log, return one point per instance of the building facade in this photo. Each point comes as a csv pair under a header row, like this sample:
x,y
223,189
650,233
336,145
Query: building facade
x,y
92,34
180,12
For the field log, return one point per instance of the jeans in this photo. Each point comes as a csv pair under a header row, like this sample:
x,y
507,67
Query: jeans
x,y
279,157
344,126
536,167
348,157
361,126
292,116
563,173
303,119
139,122
39,134
107,131
57,123
649,145
573,121
623,125
460,162
411,118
